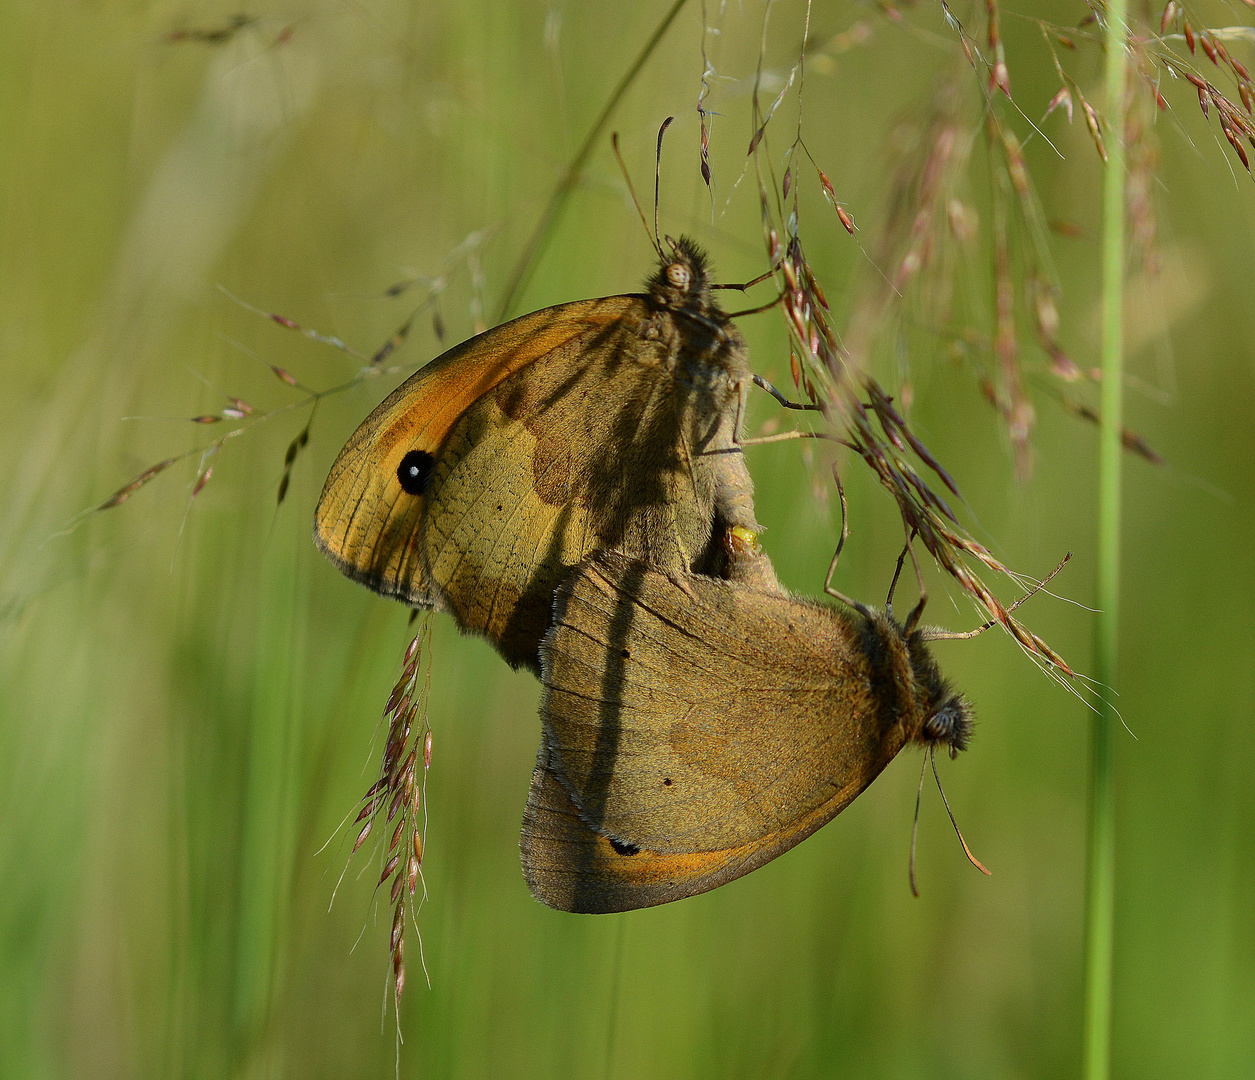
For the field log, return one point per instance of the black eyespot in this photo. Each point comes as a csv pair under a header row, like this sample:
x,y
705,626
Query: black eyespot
x,y
414,472
626,653
666,781
622,848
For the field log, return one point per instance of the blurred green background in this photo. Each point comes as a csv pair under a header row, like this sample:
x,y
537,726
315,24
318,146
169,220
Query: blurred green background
x,y
188,696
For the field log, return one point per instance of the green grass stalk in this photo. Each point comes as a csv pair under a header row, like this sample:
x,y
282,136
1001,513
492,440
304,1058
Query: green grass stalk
x,y
271,803
535,246
1100,880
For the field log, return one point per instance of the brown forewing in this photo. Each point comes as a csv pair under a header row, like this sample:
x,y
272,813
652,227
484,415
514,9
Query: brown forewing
x,y
365,523
592,425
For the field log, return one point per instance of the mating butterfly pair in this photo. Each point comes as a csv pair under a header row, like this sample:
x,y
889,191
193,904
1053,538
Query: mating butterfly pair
x,y
571,485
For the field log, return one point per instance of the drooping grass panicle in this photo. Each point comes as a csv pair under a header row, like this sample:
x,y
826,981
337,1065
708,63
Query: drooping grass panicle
x,y
837,374
394,807
930,235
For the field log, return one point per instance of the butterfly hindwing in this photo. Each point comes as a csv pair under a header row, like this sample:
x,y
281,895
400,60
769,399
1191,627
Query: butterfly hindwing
x,y
571,867
695,729
539,472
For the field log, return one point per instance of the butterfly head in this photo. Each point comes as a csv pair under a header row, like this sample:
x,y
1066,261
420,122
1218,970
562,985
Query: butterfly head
x,y
947,713
911,686
681,280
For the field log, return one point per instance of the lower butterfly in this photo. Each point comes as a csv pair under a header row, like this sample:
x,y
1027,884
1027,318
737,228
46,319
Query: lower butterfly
x,y
694,729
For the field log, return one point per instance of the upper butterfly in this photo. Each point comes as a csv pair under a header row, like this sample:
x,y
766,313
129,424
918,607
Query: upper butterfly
x,y
487,475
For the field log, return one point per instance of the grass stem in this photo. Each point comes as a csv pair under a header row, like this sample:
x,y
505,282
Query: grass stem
x,y
1100,879
535,245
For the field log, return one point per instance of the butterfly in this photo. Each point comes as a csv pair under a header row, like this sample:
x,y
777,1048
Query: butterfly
x,y
694,729
479,483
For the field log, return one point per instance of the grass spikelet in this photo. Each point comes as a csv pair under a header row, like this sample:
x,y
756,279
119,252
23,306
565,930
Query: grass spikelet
x,y
999,76
1168,17
211,35
398,794
127,490
926,219
246,416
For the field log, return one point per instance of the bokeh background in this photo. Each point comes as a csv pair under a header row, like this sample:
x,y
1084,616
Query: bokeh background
x,y
189,692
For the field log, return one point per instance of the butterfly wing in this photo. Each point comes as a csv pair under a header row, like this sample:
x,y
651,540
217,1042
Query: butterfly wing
x,y
579,453
366,523
710,727
572,867
566,432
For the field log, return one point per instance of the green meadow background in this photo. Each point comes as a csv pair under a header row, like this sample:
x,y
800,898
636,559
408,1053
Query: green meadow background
x,y
189,691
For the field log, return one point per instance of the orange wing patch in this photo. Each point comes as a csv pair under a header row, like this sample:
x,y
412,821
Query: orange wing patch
x,y
572,867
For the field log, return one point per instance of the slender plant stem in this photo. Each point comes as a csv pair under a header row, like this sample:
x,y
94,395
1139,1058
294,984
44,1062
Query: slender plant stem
x,y
566,184
1100,883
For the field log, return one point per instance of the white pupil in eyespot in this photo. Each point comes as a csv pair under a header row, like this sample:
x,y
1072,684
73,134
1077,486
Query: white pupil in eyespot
x,y
678,274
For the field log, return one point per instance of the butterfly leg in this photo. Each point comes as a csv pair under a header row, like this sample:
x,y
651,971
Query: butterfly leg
x,y
782,436
738,428
893,584
752,282
918,609
765,385
757,310
836,555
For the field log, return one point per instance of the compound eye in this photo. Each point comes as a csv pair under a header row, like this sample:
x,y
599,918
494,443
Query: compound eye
x,y
678,274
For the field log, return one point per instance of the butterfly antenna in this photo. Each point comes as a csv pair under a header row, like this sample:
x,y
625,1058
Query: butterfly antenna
x,y
614,141
657,172
932,757
919,795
